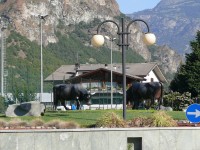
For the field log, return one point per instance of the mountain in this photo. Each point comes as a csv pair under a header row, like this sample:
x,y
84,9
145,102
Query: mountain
x,y
66,33
175,22
24,15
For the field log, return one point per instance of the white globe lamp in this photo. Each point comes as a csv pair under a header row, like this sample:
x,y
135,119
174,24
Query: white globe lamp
x,y
149,38
97,40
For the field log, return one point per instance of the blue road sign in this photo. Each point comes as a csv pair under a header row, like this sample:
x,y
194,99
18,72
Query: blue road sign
x,y
193,113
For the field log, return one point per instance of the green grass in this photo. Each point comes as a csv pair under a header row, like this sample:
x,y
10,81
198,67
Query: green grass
x,y
87,118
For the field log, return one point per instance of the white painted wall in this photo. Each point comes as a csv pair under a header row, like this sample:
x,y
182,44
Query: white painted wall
x,y
150,76
46,97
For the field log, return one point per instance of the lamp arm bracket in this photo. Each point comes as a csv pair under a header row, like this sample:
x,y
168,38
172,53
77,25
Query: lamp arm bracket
x,y
140,20
99,26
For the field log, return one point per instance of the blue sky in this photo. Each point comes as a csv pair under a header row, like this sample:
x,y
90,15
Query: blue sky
x,y
130,6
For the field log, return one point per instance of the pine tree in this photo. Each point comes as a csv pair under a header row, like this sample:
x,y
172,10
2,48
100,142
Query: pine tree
x,y
187,78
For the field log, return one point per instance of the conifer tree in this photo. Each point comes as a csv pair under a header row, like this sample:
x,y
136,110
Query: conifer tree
x,y
187,78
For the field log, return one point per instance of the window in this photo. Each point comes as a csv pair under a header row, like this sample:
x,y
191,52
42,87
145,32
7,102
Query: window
x,y
134,143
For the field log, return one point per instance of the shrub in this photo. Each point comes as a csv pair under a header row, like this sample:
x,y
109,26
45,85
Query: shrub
x,y
3,123
141,122
37,122
161,119
110,120
17,123
177,100
58,124
67,125
52,123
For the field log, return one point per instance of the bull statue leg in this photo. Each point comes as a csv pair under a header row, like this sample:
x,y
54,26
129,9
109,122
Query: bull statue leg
x,y
54,107
55,104
63,104
152,102
136,104
160,99
160,102
78,105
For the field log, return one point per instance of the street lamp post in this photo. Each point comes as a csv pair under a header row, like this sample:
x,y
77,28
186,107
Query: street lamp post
x,y
2,63
111,39
3,56
42,17
98,40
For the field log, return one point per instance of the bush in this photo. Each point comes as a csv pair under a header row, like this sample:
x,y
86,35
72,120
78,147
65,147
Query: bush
x,y
110,120
37,122
141,122
17,123
158,119
3,123
161,119
177,101
67,125
52,123
58,124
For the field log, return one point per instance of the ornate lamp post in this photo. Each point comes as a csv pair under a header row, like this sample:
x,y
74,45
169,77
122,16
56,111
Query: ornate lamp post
x,y
123,33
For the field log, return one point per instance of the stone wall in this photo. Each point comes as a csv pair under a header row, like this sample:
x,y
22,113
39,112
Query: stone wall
x,y
175,138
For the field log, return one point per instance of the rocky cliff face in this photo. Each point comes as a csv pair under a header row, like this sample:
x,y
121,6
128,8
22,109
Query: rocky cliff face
x,y
24,19
167,58
175,22
24,16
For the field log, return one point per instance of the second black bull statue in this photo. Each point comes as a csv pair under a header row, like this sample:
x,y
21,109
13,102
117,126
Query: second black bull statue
x,y
144,91
63,92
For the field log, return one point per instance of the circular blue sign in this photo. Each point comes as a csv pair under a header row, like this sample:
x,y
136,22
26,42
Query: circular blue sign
x,y
193,113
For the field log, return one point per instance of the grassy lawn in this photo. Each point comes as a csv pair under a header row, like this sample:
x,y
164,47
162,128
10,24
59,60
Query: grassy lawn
x,y
89,117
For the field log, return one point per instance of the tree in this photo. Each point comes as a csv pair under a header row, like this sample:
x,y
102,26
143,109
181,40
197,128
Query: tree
x,y
187,77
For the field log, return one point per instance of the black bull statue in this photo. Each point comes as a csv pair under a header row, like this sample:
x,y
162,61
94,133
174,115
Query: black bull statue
x,y
144,91
63,92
